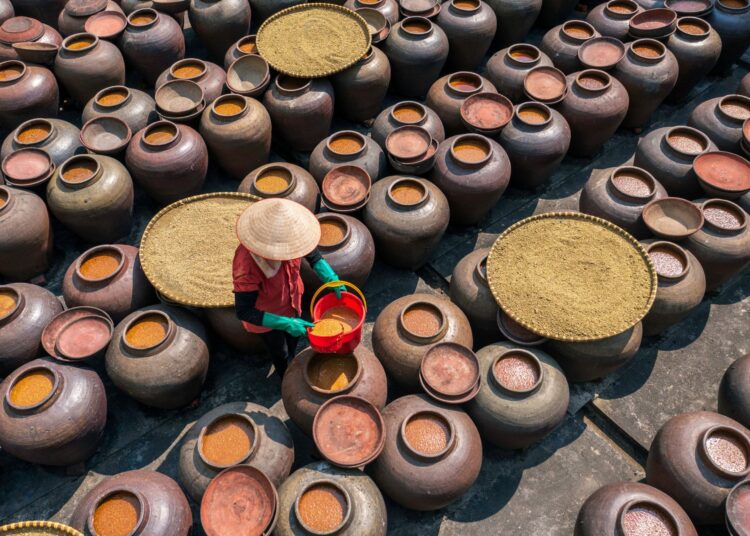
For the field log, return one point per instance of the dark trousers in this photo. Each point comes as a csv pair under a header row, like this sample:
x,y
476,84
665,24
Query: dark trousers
x,y
282,348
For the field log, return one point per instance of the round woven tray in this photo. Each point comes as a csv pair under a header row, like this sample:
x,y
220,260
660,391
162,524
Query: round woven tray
x,y
187,249
313,40
509,287
38,528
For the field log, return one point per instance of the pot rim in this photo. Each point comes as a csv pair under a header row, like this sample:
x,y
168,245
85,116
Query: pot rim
x,y
603,76
165,341
484,140
66,42
526,353
345,133
434,413
56,387
28,182
464,92
143,508
689,130
189,61
652,504
671,200
413,104
675,249
533,104
727,430
98,170
8,63
230,97
291,180
123,102
693,20
177,134
281,78
19,297
102,118
143,11
243,41
230,415
332,392
417,19
339,219
467,10
653,43
731,9
581,24
734,207
27,124
409,180
743,100
622,16
97,249
627,196
508,335
415,337
341,489
527,47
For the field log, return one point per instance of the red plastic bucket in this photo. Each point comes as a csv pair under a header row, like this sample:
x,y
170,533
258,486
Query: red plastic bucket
x,y
344,343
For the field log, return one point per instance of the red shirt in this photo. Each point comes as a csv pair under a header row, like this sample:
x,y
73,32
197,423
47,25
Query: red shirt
x,y
280,294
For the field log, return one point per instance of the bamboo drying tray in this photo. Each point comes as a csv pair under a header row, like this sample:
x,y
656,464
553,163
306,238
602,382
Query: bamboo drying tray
x,y
38,528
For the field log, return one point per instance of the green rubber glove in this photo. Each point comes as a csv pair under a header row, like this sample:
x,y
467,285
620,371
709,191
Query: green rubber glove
x,y
326,275
296,327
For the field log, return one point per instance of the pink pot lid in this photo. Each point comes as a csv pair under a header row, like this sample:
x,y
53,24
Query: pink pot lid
x,y
545,84
84,8
601,52
487,111
27,166
450,369
106,24
408,143
346,186
724,171
84,337
20,29
52,331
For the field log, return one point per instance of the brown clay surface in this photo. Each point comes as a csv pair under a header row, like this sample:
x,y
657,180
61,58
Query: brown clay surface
x,y
117,515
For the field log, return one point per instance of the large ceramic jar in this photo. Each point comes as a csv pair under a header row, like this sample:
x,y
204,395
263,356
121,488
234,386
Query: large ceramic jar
x,y
649,73
734,391
507,69
448,93
92,195
612,19
407,217
722,245
44,10
159,356
73,16
26,92
619,195
86,64
696,458
169,161
409,326
472,171
668,153
523,395
231,434
156,504
52,413
237,130
432,454
209,76
224,323
301,110
25,235
731,20
639,508
721,119
361,88
514,19
151,42
417,50
536,140
219,23
407,113
744,87
471,292
6,10
25,30
561,44
58,138
351,148
109,278
470,26
134,107
25,310
594,107
696,46
302,497
281,179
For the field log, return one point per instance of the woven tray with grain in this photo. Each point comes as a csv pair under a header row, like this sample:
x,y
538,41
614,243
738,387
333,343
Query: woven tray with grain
x,y
38,528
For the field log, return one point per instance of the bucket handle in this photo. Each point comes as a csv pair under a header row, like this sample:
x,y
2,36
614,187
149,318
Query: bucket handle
x,y
336,284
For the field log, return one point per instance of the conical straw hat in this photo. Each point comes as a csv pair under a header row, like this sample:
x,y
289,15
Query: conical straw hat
x,y
278,229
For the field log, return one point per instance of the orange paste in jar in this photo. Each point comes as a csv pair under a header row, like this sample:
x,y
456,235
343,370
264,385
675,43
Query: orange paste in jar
x,y
533,115
416,26
79,171
331,232
117,515
10,72
34,133
346,144
100,264
230,107
272,181
147,331
160,135
471,150
112,97
516,372
188,70
7,302
141,20
332,372
248,47
79,43
32,387
427,434
408,113
408,193
577,30
463,83
423,320
227,441
322,508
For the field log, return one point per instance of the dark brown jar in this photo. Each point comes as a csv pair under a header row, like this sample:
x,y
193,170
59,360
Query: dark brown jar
x,y
407,217
668,153
612,19
237,130
696,458
562,42
351,148
219,23
25,235
169,161
243,47
157,505
92,195
409,326
734,391
649,73
722,245
134,107
744,87
301,110
407,113
448,93
619,195
73,16
417,50
86,64
281,179
311,379
731,20
52,413
209,76
26,92
361,88
128,6
514,19
25,30
110,278
389,8
696,46
58,138
594,107
151,42
507,69
472,171
632,508
471,292
591,360
26,310
432,454
225,324
721,119
6,10
470,26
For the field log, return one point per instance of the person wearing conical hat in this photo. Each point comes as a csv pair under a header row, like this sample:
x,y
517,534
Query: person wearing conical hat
x,y
275,234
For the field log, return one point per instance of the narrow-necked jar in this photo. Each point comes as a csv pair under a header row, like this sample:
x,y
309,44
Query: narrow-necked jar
x,y
471,292
209,76
612,18
73,16
134,107
351,148
407,113
219,23
721,118
515,19
561,44
470,26
281,179
734,391
151,42
26,30
731,20
448,93
25,235
507,68
696,46
58,138
360,89
26,92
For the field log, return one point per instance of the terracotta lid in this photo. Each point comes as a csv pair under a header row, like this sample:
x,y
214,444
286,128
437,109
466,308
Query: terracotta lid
x,y
239,500
105,134
20,29
84,337
672,218
248,75
60,322
449,373
346,187
179,97
27,167
349,431
738,508
722,172
601,52
84,8
106,24
653,23
408,143
545,84
486,113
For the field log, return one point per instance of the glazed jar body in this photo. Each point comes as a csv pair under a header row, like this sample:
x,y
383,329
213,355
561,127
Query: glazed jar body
x,y
470,33
219,23
372,159
211,81
25,235
225,324
507,74
416,60
361,88
31,95
63,141
152,48
137,111
305,190
470,291
45,11
84,73
69,23
696,55
48,36
725,131
514,19
562,48
447,101
386,123
554,12
610,22
733,25
734,391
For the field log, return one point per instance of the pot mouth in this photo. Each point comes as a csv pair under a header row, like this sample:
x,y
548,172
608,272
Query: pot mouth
x,y
143,18
409,113
147,331
633,184
423,322
471,149
416,26
449,371
113,97
649,50
622,7
27,167
578,31
346,143
188,69
127,508
33,132
33,388
734,5
467,6
160,134
376,24
593,80
693,26
84,8
229,439
100,263
20,30
5,198
601,52
534,114
517,371
723,215
670,260
646,517
291,84
10,299
247,45
323,507
229,106
248,75
687,141
524,54
105,134
332,374
334,230
735,107
465,83
726,451
486,112
408,143
428,434
408,193
672,218
346,188
274,181
545,84
370,3
80,42
11,70
79,170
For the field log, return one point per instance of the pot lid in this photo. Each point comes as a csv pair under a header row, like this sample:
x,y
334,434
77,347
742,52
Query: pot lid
x,y
84,8
20,29
346,186
26,166
450,370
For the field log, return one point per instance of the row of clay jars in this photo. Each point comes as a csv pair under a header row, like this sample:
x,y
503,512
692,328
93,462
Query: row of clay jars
x,y
406,113
151,42
44,10
25,30
219,24
360,89
302,187
351,148
734,391
732,22
73,16
470,290
612,18
27,91
86,64
447,94
26,244
163,509
721,118
507,69
696,47
271,450
134,107
22,325
209,76
58,138
64,427
470,27
514,19
409,326
561,44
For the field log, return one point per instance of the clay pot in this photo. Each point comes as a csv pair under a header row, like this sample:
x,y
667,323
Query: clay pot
x,y
169,161
448,93
119,292
351,148
612,18
696,46
417,50
300,186
389,8
409,326
27,309
209,76
74,15
472,171
243,47
92,195
406,113
58,419
152,42
536,140
134,107
471,292
470,26
219,23
722,245
514,19
301,110
225,324
507,69
25,234
591,360
432,454
731,20
311,380
744,87
668,153
6,10
619,195
561,44
58,138
649,73
361,88
407,217
163,509
85,65
27,31
721,119
734,395
45,11
632,508
128,6
26,92
594,107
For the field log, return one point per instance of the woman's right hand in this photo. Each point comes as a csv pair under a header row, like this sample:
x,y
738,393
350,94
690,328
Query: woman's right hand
x,y
296,327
